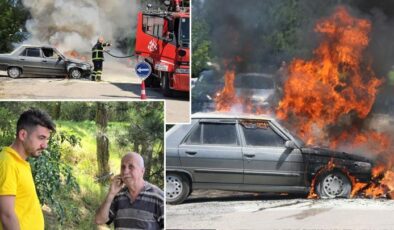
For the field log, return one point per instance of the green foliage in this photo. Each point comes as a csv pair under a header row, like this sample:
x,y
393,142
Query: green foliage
x,y
52,177
201,41
12,19
7,124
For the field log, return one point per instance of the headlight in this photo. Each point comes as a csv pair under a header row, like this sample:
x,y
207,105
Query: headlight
x,y
182,71
86,67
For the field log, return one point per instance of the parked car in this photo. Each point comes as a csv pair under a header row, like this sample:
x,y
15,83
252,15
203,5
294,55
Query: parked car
x,y
254,154
42,60
206,87
258,88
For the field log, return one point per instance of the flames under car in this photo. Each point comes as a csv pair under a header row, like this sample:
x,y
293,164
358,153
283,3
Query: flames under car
x,y
255,154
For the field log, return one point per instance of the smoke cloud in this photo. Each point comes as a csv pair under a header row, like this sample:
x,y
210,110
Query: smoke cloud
x,y
76,24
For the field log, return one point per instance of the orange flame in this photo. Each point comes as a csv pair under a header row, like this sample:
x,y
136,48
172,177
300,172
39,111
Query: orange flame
x,y
227,96
320,92
75,54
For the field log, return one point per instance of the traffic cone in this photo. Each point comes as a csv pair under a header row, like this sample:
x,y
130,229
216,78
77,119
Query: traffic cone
x,y
143,95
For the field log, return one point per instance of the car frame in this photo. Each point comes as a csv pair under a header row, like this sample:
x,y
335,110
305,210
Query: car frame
x,y
284,164
42,60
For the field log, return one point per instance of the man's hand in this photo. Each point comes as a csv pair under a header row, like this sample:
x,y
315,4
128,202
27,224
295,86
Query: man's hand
x,y
8,217
102,214
116,185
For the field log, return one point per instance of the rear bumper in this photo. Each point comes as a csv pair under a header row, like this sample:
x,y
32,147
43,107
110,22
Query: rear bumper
x,y
180,82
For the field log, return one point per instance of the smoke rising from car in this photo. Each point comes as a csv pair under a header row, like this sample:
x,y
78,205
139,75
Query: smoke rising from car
x,y
76,24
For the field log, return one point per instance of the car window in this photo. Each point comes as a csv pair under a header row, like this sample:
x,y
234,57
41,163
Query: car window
x,y
31,52
195,136
260,134
49,53
219,133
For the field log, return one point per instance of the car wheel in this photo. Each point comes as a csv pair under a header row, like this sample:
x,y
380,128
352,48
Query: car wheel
x,y
333,185
165,85
75,73
14,72
177,188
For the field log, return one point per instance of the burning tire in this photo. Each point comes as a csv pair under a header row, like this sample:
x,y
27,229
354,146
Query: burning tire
x,y
177,188
75,73
14,72
333,184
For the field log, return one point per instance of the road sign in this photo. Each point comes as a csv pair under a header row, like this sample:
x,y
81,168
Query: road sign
x,y
143,69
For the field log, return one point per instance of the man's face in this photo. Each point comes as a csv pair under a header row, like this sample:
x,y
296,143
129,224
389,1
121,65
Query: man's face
x,y
131,171
35,140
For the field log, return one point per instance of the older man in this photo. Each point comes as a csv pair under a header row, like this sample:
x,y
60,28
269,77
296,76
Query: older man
x,y
19,204
131,202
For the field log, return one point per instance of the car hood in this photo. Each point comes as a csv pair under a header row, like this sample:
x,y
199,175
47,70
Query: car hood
x,y
77,61
336,154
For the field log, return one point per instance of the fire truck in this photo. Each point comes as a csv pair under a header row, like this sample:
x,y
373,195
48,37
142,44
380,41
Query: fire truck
x,y
162,40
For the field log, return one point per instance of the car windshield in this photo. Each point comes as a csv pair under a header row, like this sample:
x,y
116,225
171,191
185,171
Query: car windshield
x,y
210,77
253,81
184,32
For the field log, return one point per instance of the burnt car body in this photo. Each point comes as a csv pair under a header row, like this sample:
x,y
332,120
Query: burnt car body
x,y
254,154
42,60
258,87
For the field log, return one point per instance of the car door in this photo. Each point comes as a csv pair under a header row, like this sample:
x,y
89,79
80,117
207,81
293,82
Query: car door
x,y
53,64
31,60
266,159
212,152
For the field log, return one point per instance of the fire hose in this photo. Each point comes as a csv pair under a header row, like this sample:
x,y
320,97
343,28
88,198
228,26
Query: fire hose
x,y
131,55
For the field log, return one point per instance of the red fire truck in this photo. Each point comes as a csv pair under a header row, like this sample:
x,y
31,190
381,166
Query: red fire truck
x,y
162,40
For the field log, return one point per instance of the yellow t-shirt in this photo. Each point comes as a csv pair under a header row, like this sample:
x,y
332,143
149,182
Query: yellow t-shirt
x,y
16,179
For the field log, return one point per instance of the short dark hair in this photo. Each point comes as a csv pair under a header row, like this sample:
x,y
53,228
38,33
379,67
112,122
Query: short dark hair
x,y
34,117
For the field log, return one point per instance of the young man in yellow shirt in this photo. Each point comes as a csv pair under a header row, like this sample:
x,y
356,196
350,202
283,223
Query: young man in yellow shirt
x,y
19,204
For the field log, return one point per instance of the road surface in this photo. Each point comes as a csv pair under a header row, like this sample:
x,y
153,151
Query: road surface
x,y
119,83
228,210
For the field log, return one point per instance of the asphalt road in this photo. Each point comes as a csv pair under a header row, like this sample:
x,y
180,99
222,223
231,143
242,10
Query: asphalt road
x,y
119,83
229,210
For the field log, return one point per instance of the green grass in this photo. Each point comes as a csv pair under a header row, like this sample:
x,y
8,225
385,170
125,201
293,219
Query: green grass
x,y
83,160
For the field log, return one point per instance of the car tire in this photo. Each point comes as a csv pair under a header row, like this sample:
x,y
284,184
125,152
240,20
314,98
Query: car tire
x,y
75,73
333,184
14,72
165,85
177,188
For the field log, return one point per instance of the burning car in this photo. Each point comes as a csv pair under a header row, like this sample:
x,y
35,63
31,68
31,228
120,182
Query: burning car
x,y
259,88
255,154
42,60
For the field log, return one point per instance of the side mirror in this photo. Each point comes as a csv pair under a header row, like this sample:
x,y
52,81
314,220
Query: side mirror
x,y
59,58
290,145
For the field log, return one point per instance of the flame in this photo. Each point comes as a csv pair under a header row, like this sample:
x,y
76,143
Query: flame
x,y
227,97
75,54
322,91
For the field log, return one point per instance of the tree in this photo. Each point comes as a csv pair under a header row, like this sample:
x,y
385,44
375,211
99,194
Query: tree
x,y
102,140
12,20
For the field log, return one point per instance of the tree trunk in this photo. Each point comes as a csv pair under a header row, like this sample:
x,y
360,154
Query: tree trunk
x,y
146,152
102,141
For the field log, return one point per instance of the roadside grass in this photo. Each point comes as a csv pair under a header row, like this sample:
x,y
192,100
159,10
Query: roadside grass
x,y
81,207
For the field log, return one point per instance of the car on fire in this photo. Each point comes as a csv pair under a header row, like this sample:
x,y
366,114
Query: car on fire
x,y
42,60
259,88
254,154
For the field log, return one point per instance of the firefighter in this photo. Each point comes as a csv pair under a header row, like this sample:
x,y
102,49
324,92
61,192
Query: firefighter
x,y
98,58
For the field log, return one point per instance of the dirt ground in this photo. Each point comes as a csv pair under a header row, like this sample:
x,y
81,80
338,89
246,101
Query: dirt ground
x,y
119,83
228,210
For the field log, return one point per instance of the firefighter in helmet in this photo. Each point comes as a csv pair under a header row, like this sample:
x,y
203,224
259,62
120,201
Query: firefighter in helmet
x,y
98,58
